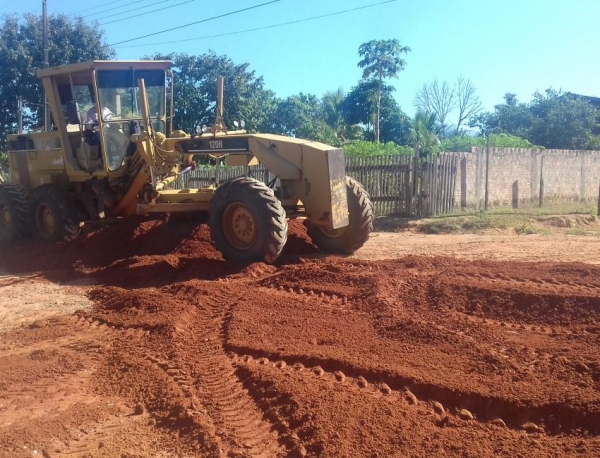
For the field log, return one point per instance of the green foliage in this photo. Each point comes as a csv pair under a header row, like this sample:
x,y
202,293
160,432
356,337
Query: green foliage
x,y
381,59
4,164
360,107
303,116
553,119
464,143
425,132
334,116
366,148
196,92
593,213
70,40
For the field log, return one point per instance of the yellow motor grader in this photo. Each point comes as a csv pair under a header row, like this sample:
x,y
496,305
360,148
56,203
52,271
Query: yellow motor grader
x,y
113,153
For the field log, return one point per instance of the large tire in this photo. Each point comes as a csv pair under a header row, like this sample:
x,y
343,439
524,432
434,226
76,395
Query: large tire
x,y
13,213
54,215
348,239
247,222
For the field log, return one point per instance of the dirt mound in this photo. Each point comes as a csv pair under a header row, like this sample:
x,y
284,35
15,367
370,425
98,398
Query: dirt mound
x,y
568,221
184,354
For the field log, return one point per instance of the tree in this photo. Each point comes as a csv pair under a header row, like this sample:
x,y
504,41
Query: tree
x,y
552,119
334,116
195,92
465,143
562,121
382,59
3,164
425,131
302,116
360,107
467,102
510,98
437,99
443,98
70,40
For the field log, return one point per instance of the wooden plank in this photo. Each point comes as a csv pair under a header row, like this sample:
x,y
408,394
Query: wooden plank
x,y
441,183
446,201
454,180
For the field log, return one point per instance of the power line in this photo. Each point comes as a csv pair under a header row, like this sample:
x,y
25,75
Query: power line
x,y
129,11
7,4
261,28
100,6
196,22
115,8
147,12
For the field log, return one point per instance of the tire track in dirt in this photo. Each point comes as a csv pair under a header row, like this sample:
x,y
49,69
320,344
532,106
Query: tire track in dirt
x,y
239,423
553,418
189,352
50,410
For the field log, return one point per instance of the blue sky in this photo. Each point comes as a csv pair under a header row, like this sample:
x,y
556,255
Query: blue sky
x,y
503,46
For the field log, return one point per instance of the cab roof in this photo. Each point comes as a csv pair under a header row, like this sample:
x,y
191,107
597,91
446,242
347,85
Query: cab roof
x,y
105,65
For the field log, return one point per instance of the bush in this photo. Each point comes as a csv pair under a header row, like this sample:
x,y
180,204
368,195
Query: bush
x,y
464,144
365,148
3,165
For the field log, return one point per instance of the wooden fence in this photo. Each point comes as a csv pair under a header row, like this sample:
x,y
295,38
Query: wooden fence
x,y
398,185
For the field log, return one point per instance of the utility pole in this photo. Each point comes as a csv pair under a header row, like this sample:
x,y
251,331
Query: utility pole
x,y
487,173
45,64
20,114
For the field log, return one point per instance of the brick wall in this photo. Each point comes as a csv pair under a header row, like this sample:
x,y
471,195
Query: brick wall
x,y
514,176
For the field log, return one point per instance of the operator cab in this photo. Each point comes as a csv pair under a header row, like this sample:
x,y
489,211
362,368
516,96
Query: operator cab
x,y
82,91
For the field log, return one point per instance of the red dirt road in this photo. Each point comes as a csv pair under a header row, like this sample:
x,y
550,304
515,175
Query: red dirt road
x,y
180,354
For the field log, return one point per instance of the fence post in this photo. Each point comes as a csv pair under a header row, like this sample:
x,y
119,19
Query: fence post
x,y
463,183
417,183
542,182
599,199
487,172
582,183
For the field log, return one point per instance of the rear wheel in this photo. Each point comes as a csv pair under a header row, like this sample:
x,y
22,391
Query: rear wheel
x,y
53,215
350,238
13,213
247,221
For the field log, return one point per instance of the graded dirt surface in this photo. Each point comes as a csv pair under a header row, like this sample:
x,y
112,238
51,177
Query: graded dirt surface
x,y
138,340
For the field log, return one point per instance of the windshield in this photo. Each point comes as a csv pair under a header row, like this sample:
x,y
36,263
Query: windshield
x,y
121,105
119,92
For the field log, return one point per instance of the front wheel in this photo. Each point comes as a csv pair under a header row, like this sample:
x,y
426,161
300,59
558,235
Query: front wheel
x,y
53,215
247,222
348,239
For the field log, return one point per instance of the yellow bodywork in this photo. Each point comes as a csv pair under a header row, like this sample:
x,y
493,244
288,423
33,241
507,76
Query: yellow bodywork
x,y
312,174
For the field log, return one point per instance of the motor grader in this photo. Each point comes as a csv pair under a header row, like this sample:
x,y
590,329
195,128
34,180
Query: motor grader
x,y
113,153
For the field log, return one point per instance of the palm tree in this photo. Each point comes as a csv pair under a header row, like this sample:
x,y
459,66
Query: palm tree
x,y
381,58
425,132
334,116
332,102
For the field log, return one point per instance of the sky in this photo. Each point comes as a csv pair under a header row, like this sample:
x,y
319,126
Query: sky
x,y
517,46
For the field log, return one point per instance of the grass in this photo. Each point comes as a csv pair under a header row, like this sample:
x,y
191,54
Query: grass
x,y
580,220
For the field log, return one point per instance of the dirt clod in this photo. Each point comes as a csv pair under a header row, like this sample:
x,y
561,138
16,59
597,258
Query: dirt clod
x,y
385,389
531,427
465,414
410,397
438,408
498,422
318,371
